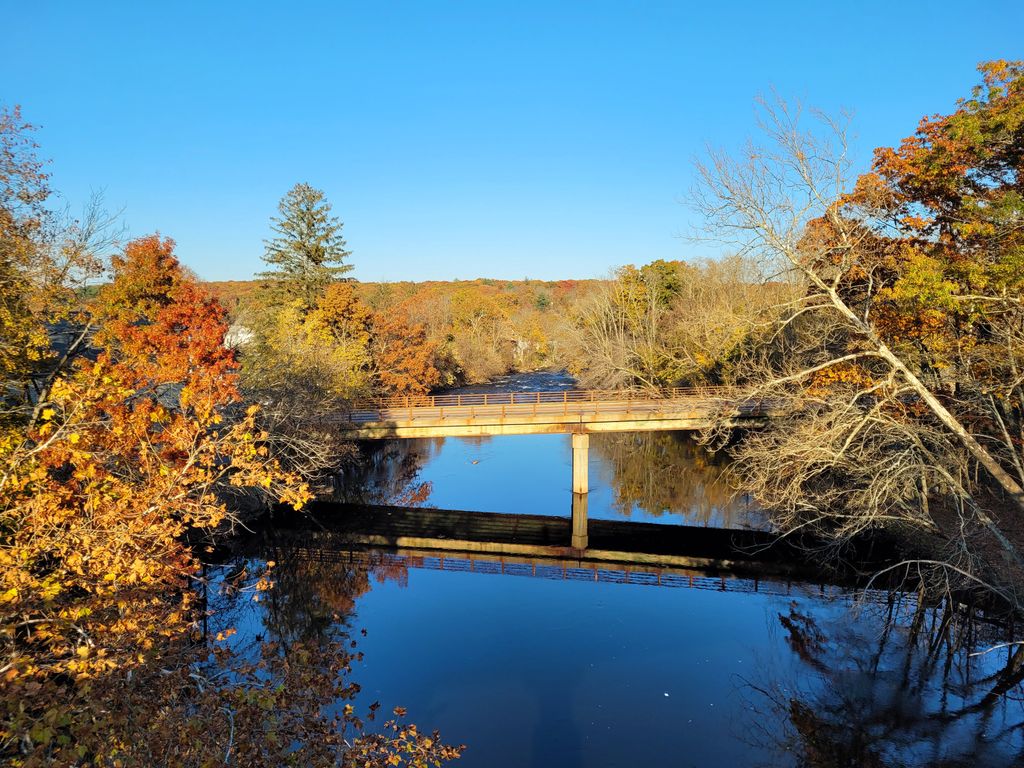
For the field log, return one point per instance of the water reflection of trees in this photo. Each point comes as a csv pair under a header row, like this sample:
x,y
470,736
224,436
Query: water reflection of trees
x,y
668,473
314,593
387,472
280,663
918,692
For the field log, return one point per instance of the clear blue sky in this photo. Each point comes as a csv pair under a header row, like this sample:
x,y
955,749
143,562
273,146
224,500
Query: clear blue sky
x,y
457,139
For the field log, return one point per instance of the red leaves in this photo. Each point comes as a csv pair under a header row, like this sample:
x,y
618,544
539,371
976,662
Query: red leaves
x,y
161,329
954,161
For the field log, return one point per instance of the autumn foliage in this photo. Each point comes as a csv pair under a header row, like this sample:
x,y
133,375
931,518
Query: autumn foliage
x,y
126,450
946,264
132,450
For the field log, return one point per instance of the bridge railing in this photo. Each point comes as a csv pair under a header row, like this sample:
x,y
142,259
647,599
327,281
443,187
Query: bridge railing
x,y
537,398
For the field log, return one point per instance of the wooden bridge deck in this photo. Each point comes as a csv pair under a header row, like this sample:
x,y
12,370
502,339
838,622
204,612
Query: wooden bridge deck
x,y
575,411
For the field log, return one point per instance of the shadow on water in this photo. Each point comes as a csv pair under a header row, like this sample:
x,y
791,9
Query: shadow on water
x,y
900,682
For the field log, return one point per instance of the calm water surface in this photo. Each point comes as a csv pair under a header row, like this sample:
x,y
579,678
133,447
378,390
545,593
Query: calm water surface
x,y
662,477
531,671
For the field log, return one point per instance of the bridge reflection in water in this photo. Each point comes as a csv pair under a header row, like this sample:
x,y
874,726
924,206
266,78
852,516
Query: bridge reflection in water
x,y
547,547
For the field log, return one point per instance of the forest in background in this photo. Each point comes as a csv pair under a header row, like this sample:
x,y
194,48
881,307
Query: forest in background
x,y
662,324
481,328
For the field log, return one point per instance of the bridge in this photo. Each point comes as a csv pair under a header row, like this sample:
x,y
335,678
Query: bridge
x,y
575,412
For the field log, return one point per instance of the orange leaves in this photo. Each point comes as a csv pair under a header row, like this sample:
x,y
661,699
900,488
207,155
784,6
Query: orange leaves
x,y
955,160
165,329
938,265
403,357
130,452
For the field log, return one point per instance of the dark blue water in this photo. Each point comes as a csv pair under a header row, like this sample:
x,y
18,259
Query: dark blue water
x,y
534,671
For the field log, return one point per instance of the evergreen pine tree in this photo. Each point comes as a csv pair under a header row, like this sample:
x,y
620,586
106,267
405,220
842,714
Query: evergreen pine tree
x,y
308,252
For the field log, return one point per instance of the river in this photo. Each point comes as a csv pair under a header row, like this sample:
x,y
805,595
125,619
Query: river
x,y
541,668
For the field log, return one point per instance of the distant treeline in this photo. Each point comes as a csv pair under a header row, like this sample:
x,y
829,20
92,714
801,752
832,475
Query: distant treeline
x,y
480,328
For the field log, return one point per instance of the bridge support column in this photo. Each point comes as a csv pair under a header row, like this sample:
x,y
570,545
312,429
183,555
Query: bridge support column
x,y
580,456
579,521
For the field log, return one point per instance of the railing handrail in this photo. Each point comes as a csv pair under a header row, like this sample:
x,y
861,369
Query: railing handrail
x,y
540,397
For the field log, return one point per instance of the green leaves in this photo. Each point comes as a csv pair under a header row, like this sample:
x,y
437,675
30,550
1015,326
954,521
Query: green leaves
x,y
308,252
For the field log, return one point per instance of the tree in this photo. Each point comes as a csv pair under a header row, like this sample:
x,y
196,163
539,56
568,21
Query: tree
x,y
665,323
906,332
343,314
311,361
45,262
403,358
136,456
308,252
131,451
123,452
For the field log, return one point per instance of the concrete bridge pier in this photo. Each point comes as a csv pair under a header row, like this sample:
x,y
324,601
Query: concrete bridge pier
x,y
580,456
579,521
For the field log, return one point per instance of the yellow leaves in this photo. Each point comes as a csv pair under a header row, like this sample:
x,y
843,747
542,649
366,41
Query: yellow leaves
x,y
95,521
50,588
839,376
